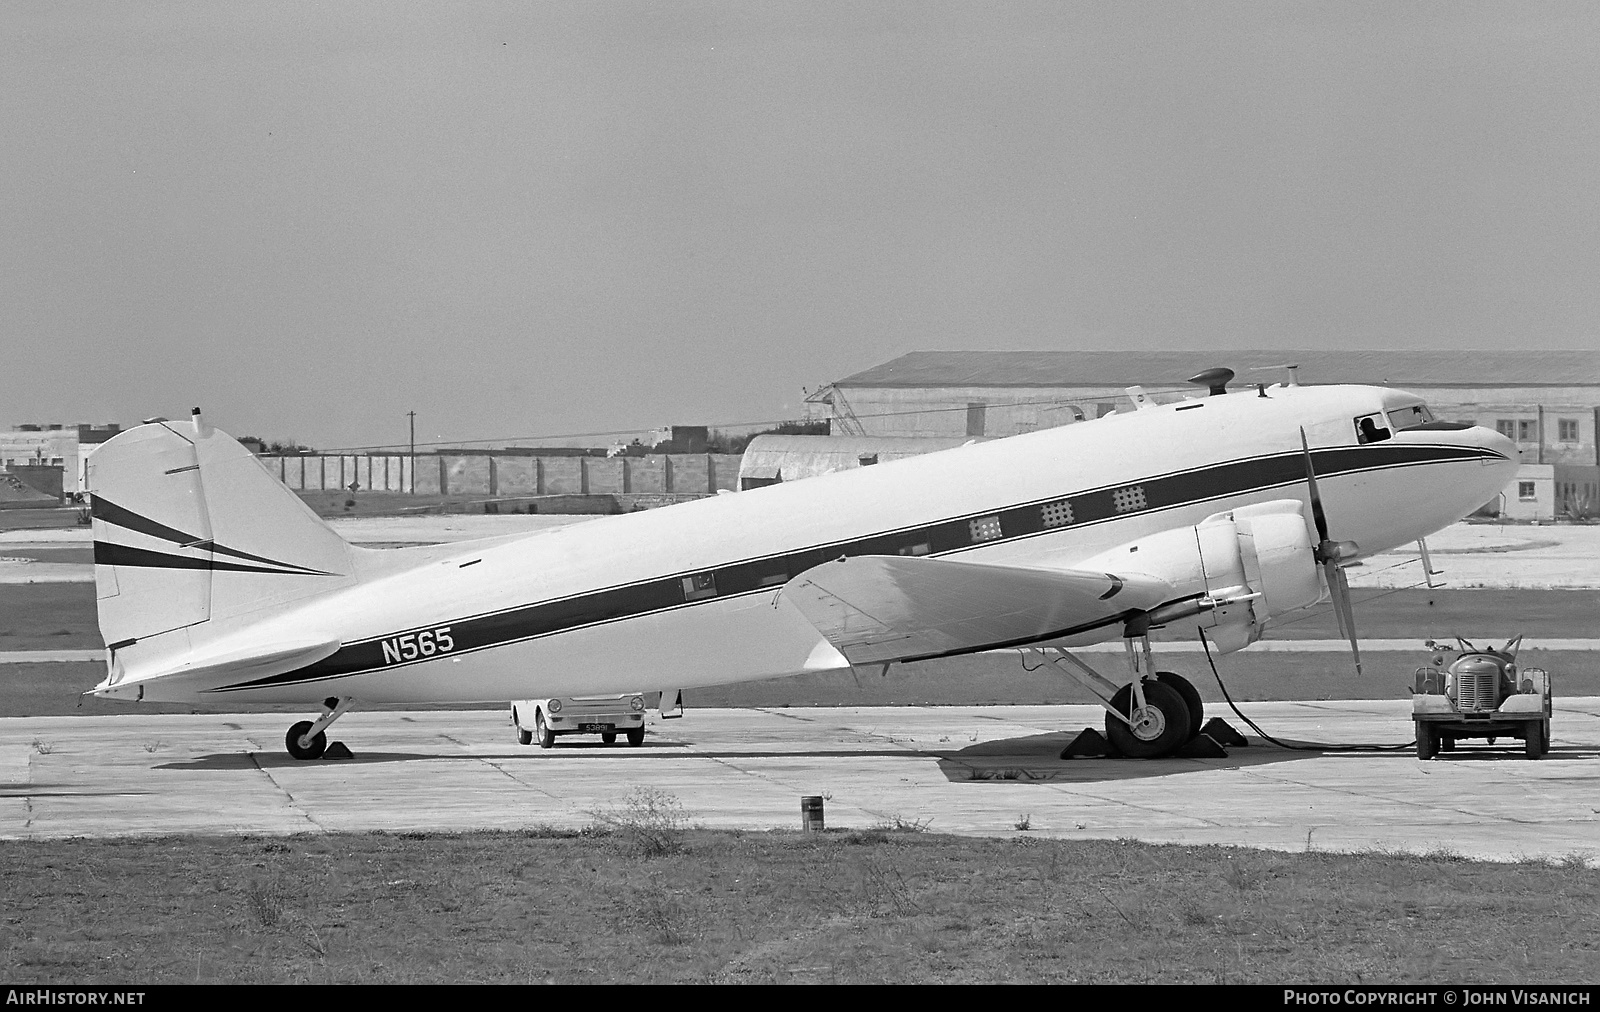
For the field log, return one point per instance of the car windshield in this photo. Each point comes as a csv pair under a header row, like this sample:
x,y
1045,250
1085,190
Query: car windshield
x,y
1410,417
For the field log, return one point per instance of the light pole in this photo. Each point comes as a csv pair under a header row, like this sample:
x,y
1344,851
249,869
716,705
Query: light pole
x,y
413,454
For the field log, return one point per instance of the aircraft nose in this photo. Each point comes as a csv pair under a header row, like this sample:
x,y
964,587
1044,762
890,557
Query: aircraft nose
x,y
1500,456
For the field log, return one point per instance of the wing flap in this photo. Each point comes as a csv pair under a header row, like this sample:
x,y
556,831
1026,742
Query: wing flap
x,y
880,608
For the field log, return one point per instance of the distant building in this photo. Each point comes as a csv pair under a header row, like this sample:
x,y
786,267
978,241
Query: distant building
x,y
769,460
65,446
1547,401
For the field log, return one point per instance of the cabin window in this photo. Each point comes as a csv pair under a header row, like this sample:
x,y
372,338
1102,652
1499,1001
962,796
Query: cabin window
x,y
699,586
985,528
1057,514
1371,428
920,548
1126,500
1406,418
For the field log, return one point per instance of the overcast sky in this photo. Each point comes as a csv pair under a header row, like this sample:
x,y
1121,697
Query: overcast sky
x,y
531,218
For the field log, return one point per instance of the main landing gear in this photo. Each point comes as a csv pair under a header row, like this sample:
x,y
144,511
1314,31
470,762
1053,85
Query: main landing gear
x,y
1154,715
309,739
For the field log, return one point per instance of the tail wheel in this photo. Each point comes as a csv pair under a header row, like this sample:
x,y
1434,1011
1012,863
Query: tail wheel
x,y
1159,729
635,736
291,741
541,730
1191,699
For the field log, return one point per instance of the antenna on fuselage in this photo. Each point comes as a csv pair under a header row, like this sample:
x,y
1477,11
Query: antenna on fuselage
x,y
1293,367
1215,380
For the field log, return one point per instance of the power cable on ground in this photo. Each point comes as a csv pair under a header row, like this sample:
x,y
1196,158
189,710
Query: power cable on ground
x,y
1304,746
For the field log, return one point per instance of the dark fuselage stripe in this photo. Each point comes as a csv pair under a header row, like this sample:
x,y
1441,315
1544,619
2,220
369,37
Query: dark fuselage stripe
x,y
531,621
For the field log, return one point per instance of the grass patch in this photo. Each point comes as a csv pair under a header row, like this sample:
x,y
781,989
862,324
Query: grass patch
x,y
877,905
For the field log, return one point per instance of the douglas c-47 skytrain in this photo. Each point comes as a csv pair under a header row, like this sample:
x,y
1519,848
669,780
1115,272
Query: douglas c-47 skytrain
x,y
216,585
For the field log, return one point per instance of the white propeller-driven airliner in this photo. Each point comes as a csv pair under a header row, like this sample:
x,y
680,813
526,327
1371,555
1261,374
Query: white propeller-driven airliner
x,y
217,585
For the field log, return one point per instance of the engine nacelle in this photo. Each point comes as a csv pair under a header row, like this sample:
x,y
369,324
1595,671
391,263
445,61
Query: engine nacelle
x,y
1233,572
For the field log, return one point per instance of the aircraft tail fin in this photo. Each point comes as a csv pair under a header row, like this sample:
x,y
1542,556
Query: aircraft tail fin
x,y
192,533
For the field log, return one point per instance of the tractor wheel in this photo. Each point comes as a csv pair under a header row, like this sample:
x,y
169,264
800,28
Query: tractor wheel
x,y
1427,741
1533,741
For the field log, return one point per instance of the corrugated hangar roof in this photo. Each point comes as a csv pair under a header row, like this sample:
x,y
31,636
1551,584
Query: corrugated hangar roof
x,y
1324,365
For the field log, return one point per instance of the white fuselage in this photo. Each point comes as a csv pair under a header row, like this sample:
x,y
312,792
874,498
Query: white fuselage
x,y
688,595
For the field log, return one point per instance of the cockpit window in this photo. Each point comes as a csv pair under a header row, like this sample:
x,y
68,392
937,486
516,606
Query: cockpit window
x,y
1407,418
1371,428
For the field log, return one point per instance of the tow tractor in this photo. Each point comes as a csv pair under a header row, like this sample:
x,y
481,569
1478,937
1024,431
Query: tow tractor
x,y
1481,694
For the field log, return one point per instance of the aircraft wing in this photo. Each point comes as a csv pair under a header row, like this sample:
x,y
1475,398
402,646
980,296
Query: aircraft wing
x,y
880,608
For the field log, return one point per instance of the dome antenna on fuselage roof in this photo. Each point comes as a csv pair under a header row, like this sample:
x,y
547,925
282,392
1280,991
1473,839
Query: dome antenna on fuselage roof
x,y
1215,379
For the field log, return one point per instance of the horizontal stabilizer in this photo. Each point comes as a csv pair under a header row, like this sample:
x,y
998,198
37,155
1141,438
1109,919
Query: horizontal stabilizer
x,y
875,609
232,664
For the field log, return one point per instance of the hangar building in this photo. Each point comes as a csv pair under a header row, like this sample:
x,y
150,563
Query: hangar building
x,y
1548,401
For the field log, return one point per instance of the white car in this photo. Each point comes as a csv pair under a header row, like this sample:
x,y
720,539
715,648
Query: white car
x,y
543,719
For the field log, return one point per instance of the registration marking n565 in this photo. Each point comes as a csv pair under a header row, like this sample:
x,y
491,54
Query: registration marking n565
x,y
419,644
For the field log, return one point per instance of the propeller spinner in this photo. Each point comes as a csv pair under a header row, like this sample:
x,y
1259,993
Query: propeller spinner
x,y
1329,553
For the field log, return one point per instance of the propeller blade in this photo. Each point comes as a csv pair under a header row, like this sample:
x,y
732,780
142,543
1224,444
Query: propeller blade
x,y
1329,552
1317,515
1339,589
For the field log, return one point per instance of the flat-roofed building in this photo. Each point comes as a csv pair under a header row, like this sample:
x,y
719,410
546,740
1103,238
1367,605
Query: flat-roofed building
x,y
54,445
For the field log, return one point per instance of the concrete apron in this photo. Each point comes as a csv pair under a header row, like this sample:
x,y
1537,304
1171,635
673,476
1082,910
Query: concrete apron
x,y
976,770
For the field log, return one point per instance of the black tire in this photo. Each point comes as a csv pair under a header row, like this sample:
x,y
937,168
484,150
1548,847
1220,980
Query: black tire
x,y
609,737
524,736
1427,741
1164,733
636,736
1447,744
1534,745
541,731
291,741
1191,699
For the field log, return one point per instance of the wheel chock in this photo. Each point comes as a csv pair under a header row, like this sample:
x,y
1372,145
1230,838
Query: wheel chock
x,y
1201,746
1090,744
1221,732
337,750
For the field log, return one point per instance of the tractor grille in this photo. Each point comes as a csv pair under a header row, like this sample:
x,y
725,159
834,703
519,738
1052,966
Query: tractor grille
x,y
1478,690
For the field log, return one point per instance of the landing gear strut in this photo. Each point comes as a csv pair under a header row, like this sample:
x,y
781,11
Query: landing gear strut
x,y
308,739
1154,715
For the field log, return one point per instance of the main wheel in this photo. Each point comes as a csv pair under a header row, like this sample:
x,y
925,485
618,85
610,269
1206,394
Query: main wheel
x,y
1159,729
1191,699
1447,744
541,730
635,736
291,741
609,737
1427,741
